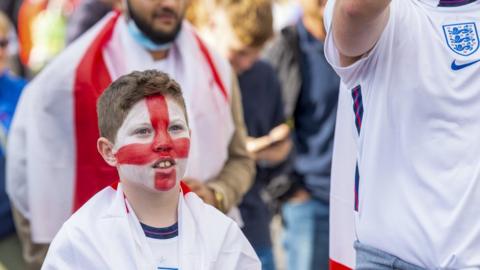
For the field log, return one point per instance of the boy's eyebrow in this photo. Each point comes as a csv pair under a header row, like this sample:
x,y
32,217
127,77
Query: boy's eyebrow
x,y
136,125
178,119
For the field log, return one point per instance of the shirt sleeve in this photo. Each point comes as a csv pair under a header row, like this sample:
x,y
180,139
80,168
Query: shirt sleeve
x,y
362,70
237,174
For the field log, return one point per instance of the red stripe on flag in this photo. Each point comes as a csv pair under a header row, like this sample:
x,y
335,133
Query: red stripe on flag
x,y
208,57
338,266
185,188
91,79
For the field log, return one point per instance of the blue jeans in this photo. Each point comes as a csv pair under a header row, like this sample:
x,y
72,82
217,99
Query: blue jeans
x,y
306,235
266,258
371,258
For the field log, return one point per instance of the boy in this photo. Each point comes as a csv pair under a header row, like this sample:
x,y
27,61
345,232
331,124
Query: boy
x,y
239,30
143,222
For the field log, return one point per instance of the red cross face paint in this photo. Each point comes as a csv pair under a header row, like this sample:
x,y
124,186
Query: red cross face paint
x,y
152,144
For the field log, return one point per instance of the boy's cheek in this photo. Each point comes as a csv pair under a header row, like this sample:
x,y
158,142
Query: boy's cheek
x,y
134,174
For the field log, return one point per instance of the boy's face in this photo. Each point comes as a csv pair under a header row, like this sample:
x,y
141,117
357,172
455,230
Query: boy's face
x,y
240,56
152,145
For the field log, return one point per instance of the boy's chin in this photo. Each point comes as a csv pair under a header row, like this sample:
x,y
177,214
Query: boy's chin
x,y
163,185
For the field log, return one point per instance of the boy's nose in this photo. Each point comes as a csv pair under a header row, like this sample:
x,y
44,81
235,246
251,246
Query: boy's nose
x,y
162,147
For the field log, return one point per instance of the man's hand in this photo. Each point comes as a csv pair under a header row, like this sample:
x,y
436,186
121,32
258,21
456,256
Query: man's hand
x,y
202,190
274,147
275,153
357,26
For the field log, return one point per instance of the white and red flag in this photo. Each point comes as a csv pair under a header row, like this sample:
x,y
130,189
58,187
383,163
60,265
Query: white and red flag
x,y
106,234
53,165
342,199
342,188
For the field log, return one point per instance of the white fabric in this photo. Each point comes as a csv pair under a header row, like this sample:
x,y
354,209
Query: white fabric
x,y
166,252
103,235
343,172
418,148
344,157
41,146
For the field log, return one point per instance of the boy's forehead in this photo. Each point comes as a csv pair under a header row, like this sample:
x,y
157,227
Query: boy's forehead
x,y
158,106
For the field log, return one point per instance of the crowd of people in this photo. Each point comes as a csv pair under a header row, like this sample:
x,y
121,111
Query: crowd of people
x,y
167,134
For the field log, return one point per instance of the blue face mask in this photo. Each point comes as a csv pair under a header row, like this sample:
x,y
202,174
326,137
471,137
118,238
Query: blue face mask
x,y
143,40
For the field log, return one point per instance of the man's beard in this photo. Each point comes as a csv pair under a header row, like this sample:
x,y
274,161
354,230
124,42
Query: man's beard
x,y
158,37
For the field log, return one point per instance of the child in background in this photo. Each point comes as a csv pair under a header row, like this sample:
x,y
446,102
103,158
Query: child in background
x,y
239,30
149,219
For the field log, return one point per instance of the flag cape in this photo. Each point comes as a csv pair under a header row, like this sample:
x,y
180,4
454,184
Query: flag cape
x,y
106,234
342,236
53,166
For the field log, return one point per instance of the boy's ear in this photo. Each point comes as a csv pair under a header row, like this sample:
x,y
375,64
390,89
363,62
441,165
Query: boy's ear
x,y
105,148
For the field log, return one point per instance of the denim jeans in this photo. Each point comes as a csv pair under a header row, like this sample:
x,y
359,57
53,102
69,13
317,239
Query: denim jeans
x,y
371,258
306,235
266,258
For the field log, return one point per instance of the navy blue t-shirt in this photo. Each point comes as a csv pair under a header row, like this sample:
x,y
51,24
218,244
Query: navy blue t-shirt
x,y
10,89
315,116
263,110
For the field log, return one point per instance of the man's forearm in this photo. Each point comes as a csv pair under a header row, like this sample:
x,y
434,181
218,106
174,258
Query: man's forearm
x,y
238,172
358,24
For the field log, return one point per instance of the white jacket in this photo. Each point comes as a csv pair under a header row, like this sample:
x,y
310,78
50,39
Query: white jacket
x,y
106,234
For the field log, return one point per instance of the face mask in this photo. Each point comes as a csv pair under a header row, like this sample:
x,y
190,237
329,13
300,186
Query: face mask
x,y
152,144
143,40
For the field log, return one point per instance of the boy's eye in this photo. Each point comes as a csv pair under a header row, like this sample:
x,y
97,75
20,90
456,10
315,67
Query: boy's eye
x,y
176,128
142,131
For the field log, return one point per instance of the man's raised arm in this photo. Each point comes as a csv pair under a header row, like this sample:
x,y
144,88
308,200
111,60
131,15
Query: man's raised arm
x,y
357,26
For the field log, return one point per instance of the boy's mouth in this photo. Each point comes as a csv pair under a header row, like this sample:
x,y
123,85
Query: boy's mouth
x,y
164,163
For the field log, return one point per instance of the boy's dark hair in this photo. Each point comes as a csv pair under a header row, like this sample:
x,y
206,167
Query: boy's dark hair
x,y
120,96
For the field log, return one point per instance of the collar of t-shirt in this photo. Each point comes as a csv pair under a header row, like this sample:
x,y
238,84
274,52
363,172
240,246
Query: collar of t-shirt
x,y
160,233
447,3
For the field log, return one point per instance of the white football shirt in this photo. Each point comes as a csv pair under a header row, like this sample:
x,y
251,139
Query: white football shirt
x,y
163,243
416,105
165,252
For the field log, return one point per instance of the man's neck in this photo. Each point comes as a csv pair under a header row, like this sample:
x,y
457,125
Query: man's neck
x,y
159,55
156,209
315,27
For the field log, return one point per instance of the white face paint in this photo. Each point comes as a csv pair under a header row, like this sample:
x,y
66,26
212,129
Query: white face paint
x,y
152,144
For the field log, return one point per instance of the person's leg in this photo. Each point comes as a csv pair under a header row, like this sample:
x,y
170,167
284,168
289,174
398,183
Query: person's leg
x,y
33,254
321,247
266,257
11,252
299,234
